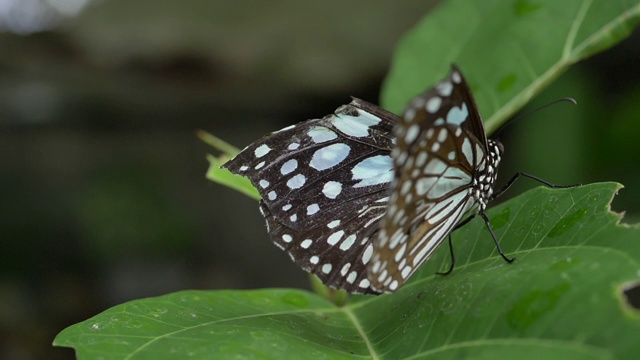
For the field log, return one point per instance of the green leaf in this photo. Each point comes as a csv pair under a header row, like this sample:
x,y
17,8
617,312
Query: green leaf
x,y
223,176
217,143
508,50
562,298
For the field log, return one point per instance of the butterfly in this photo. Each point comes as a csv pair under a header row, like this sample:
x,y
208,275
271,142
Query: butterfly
x,y
362,198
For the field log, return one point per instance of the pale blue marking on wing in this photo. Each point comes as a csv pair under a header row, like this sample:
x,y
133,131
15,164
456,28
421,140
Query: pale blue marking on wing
x,y
329,156
373,171
320,134
457,115
357,126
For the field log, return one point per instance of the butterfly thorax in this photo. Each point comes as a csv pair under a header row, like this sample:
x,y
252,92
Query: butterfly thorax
x,y
486,175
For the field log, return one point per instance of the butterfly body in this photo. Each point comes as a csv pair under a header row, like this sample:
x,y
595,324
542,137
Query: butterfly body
x,y
362,197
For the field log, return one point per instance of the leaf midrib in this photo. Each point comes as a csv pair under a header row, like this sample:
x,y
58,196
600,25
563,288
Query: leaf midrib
x,y
363,334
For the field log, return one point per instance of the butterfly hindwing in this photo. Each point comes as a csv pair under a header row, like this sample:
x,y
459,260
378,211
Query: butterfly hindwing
x,y
324,186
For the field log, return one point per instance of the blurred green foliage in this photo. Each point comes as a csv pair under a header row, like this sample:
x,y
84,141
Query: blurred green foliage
x,y
125,212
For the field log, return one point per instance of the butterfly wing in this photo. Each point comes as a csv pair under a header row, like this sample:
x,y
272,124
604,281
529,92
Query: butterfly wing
x,y
440,144
324,186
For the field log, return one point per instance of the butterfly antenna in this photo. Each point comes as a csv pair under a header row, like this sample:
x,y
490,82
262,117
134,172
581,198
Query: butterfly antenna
x,y
564,99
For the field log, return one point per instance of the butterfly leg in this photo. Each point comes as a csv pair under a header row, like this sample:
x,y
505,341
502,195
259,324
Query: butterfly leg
x,y
495,240
453,258
518,174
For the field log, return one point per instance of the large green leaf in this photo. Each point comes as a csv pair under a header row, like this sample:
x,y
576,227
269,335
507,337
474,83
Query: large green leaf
x,y
508,50
562,298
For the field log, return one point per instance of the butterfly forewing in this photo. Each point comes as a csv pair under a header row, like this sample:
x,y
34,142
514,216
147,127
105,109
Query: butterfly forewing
x,y
441,144
324,187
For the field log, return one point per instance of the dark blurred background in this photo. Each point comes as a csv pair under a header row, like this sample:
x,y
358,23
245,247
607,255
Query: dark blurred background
x,y
102,191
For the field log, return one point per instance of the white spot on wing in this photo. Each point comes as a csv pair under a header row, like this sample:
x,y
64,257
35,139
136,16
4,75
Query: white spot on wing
x,y
312,209
405,272
400,252
406,186
355,126
421,159
433,104
326,268
442,135
457,115
444,88
345,269
409,114
333,224
364,283
262,150
394,285
352,277
320,134
335,237
412,133
296,182
373,171
347,243
306,243
455,76
289,166
329,156
332,189
366,255
467,151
